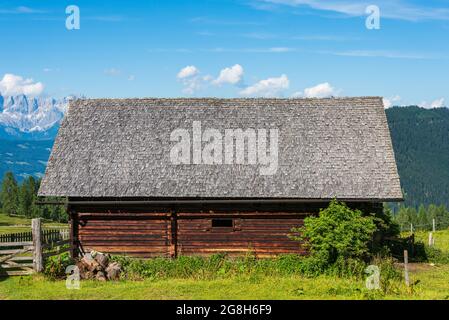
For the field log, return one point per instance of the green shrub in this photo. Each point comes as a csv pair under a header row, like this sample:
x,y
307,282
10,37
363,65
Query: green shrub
x,y
390,276
337,232
436,255
55,266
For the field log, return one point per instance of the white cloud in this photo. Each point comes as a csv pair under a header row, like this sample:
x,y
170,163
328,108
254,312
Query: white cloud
x,y
281,49
383,54
191,79
438,103
232,75
388,102
188,72
321,90
21,10
131,77
192,85
271,87
393,9
12,85
112,72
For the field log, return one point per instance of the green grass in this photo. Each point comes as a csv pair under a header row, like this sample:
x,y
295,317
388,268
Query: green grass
x,y
441,238
13,224
433,284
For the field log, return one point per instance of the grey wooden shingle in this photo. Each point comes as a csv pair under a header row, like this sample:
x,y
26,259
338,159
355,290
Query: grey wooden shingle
x,y
335,147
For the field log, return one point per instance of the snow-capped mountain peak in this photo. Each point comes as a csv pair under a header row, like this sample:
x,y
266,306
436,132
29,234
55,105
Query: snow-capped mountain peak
x,y
21,114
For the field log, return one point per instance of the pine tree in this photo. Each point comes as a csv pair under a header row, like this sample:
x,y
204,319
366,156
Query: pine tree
x,y
27,195
9,194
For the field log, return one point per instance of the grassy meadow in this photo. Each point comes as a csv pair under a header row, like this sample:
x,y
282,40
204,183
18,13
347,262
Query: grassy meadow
x,y
430,281
13,224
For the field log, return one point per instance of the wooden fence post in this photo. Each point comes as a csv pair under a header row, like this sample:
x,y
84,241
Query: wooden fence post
x,y
407,279
38,265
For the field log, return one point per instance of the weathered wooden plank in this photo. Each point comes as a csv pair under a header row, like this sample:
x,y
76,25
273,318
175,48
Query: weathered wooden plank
x,y
128,248
16,272
105,215
124,233
132,237
13,253
16,244
37,244
19,259
18,266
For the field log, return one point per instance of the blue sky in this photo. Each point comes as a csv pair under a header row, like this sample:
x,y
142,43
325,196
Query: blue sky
x,y
232,48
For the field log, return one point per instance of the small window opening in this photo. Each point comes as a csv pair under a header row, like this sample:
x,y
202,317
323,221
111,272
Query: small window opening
x,y
222,223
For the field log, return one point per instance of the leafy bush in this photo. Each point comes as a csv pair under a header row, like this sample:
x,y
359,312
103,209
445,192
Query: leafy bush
x,y
337,233
55,266
436,255
390,276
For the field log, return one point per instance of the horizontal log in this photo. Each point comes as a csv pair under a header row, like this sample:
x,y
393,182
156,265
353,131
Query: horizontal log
x,y
234,238
248,215
277,231
16,272
118,226
21,265
143,244
265,225
128,248
16,244
14,251
19,259
137,237
245,244
105,215
122,231
137,222
217,250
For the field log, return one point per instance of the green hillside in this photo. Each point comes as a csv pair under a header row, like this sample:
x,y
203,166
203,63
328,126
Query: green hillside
x,y
421,144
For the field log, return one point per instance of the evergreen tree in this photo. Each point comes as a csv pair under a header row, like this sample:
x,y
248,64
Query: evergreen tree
x,y
9,194
27,195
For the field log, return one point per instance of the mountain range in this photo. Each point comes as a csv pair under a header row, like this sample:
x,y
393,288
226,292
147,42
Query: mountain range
x,y
28,126
30,118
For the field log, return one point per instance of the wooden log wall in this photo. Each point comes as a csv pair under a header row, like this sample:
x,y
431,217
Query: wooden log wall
x,y
170,234
150,231
258,234
140,236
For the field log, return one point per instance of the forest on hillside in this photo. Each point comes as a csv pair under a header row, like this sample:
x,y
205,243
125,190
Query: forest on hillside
x,y
421,144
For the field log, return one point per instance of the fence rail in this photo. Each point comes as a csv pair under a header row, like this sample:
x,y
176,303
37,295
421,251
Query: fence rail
x,y
48,236
23,253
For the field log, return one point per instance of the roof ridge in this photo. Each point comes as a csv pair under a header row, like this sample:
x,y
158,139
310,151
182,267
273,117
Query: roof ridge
x,y
228,99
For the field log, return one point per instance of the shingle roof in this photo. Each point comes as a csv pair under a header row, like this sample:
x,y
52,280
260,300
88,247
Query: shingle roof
x,y
334,147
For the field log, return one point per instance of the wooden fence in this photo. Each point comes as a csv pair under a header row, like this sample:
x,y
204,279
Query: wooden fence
x,y
48,236
22,255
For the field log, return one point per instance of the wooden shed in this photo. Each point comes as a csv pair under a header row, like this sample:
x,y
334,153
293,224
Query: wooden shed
x,y
168,177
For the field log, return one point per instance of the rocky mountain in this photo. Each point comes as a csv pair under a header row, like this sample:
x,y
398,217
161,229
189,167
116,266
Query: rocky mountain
x,y
30,118
28,127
